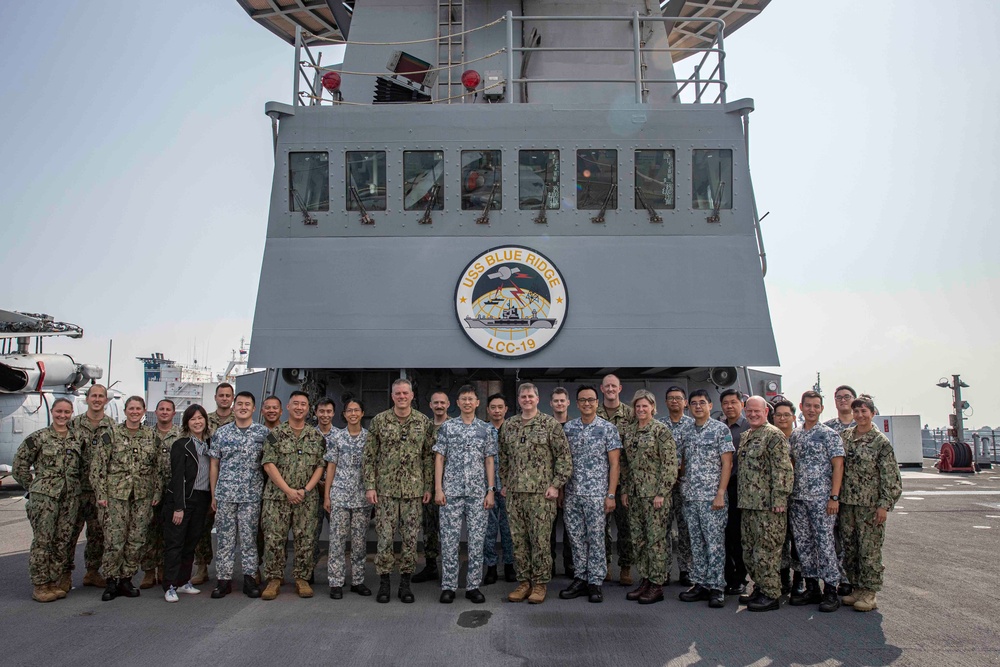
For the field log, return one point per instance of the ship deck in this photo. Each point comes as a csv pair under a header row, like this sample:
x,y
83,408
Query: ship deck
x,y
938,608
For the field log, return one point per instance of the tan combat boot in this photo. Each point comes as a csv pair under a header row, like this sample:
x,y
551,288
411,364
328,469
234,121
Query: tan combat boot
x,y
148,579
43,594
626,576
537,594
520,594
94,578
65,582
855,595
200,574
303,589
58,592
272,590
866,602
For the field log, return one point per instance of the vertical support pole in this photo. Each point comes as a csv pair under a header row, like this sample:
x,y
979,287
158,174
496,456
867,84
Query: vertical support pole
x,y
697,84
298,57
510,57
636,56
722,63
956,382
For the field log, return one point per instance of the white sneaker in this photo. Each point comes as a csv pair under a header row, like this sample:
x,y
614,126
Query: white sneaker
x,y
188,589
171,595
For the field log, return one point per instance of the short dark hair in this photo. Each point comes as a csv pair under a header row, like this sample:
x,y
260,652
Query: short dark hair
x,y
811,394
586,387
866,401
783,402
559,390
731,392
272,397
138,399
466,389
247,394
673,388
224,385
495,396
848,388
165,400
326,400
351,398
298,392
699,392
440,390
191,411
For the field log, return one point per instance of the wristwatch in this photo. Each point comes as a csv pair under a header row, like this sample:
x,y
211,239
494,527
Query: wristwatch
x,y
835,497
610,496
491,488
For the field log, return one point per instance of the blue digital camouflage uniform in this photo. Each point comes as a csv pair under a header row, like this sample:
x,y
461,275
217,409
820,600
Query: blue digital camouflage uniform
x,y
838,425
871,481
237,494
583,504
203,550
91,439
702,460
497,522
812,452
679,540
622,416
465,448
350,511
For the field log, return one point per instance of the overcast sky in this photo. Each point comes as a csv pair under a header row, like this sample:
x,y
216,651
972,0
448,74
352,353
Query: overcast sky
x,y
137,168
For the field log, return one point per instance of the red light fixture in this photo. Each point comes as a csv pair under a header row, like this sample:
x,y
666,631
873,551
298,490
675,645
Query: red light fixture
x,y
471,79
331,81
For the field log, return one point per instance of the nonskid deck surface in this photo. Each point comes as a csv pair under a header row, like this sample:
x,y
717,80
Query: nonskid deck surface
x,y
938,608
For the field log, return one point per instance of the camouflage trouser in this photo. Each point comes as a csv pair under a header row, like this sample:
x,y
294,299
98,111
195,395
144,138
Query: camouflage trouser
x,y
152,557
89,514
763,533
707,530
585,522
390,512
231,520
321,516
531,517
789,554
862,546
838,545
125,525
649,537
496,522
813,529
680,541
472,510
432,537
203,552
52,521
348,522
277,518
626,550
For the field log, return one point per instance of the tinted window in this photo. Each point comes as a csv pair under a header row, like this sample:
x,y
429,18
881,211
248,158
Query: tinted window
x,y
423,180
309,181
654,178
712,178
482,176
538,180
596,173
366,180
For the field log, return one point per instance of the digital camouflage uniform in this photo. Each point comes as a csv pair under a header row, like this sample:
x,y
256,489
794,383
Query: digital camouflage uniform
x,y
152,558
296,458
765,481
583,504
397,465
701,456
497,522
622,416
350,511
321,514
812,452
534,455
649,470
465,448
91,439
871,481
839,427
54,496
431,517
203,550
237,494
127,474
679,541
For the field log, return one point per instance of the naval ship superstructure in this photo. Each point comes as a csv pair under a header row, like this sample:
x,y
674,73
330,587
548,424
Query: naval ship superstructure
x,y
506,191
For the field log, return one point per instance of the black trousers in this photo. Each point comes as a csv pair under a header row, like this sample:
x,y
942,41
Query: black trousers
x,y
736,571
179,541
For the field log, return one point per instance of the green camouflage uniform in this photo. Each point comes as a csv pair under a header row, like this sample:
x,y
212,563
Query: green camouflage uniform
x,y
871,481
649,469
398,466
534,455
54,495
765,481
126,473
621,417
432,518
296,458
91,439
153,551
203,550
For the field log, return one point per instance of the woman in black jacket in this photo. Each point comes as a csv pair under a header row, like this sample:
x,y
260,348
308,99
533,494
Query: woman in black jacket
x,y
186,501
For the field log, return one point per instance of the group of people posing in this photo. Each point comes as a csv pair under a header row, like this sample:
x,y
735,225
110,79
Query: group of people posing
x,y
740,492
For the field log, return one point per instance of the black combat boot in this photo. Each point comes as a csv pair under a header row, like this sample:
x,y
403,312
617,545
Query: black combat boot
x,y
383,588
797,583
831,601
447,597
508,573
127,588
763,603
786,581
404,593
336,592
683,579
749,597
475,595
716,598
491,575
810,595
696,593
845,589
361,590
429,573
574,590
223,588
110,589
250,587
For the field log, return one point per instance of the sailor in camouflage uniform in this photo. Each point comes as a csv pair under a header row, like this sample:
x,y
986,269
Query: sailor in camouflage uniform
x,y
223,414
678,541
431,514
595,446
93,428
350,512
496,521
843,396
872,486
325,411
534,463
649,473
165,433
464,455
620,414
398,476
293,461
765,482
236,452
817,453
128,482
56,455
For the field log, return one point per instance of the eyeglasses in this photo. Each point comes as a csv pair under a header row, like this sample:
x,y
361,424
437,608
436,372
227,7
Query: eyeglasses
x,y
586,400
783,416
351,410
675,399
844,397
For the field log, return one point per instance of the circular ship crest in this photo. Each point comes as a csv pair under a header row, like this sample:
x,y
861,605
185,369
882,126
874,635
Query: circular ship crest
x,y
511,301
